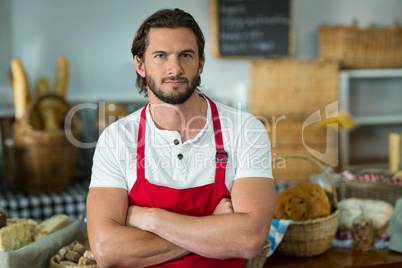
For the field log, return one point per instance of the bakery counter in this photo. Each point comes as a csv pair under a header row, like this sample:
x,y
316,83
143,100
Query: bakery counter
x,y
338,257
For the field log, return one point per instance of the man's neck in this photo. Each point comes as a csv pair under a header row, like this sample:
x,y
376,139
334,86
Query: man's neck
x,y
188,118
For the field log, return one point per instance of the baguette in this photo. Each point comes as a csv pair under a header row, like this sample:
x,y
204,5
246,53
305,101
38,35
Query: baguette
x,y
20,85
60,85
60,88
50,225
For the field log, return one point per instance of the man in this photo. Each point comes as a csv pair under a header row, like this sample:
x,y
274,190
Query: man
x,y
183,182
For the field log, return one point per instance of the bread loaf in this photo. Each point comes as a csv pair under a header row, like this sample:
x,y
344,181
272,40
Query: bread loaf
x,y
303,201
380,213
14,236
50,225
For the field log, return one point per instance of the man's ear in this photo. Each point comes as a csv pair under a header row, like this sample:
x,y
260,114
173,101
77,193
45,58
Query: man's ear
x,y
201,66
139,66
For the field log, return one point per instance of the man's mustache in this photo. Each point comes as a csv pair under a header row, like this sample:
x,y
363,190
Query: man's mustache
x,y
180,79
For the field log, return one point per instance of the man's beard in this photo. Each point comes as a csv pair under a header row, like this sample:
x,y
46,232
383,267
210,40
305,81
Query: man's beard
x,y
175,98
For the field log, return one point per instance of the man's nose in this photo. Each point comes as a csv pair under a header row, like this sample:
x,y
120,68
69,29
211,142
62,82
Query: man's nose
x,y
174,67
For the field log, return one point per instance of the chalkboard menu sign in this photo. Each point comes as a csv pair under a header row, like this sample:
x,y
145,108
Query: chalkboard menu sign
x,y
250,28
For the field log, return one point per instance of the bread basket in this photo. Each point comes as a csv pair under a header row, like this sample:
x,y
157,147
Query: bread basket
x,y
45,160
311,237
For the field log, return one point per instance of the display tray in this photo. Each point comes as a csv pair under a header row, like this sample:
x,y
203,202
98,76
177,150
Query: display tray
x,y
38,253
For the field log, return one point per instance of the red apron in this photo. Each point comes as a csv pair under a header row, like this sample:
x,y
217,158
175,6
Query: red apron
x,y
199,201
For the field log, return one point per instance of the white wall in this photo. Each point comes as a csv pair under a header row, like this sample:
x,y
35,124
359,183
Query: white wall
x,y
96,37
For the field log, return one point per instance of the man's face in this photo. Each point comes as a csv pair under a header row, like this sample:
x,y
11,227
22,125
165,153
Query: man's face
x,y
171,66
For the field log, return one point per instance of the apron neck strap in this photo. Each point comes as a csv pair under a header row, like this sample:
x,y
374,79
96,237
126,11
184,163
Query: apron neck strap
x,y
141,145
221,155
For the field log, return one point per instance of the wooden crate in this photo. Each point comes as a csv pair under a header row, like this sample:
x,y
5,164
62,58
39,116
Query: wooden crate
x,y
293,87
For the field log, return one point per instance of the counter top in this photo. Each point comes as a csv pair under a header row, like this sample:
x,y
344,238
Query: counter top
x,y
338,257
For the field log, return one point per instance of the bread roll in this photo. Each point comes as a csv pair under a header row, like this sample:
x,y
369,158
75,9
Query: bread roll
x,y
50,225
303,201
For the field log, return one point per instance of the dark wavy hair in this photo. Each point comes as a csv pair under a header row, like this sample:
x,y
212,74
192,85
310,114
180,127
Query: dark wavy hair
x,y
165,18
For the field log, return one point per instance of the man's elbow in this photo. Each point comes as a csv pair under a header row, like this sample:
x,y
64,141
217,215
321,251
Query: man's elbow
x,y
102,254
253,247
106,256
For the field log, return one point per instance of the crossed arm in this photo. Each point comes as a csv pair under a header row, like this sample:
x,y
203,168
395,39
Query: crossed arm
x,y
138,236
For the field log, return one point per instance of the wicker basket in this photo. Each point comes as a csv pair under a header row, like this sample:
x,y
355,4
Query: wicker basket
x,y
259,261
371,190
45,161
356,48
293,87
312,237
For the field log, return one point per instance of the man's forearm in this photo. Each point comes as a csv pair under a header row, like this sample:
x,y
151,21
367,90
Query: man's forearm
x,y
216,236
128,246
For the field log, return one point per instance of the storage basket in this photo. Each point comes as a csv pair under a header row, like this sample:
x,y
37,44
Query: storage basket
x,y
259,261
45,160
288,136
292,87
54,264
312,237
356,48
371,189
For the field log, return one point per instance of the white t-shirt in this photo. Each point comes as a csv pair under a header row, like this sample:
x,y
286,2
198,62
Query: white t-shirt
x,y
169,162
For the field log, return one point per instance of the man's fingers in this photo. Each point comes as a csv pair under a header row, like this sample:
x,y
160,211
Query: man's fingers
x,y
224,207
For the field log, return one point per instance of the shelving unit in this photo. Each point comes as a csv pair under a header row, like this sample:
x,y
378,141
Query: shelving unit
x,y
373,120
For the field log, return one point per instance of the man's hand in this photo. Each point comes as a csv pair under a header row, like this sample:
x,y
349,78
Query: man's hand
x,y
224,207
138,216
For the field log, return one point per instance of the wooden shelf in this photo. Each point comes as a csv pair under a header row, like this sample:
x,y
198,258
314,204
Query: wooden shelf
x,y
373,120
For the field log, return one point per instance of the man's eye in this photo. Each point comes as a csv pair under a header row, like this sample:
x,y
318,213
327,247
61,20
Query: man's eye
x,y
186,55
160,56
